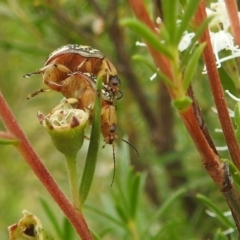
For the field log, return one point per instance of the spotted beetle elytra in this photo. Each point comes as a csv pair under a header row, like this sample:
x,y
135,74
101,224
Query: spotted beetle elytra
x,y
72,58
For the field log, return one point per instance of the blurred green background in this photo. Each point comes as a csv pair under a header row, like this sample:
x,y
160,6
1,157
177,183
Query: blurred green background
x,y
30,31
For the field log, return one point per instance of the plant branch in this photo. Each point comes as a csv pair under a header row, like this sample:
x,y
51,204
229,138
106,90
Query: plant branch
x,y
160,61
7,136
232,10
217,90
210,159
201,122
41,172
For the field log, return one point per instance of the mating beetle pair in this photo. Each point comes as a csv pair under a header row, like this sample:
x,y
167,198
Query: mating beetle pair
x,y
73,70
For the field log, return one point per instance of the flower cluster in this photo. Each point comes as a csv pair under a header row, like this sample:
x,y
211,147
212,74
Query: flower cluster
x,y
66,126
220,35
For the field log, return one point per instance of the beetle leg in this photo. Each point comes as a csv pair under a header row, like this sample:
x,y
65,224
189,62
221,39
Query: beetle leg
x,y
91,78
55,84
107,74
64,101
38,71
87,138
88,66
42,90
62,68
81,64
37,92
71,100
43,69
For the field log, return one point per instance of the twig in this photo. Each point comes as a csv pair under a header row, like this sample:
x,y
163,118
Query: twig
x,y
234,19
217,91
210,160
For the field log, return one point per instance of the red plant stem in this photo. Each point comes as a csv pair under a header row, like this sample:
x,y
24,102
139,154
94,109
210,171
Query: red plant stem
x,y
232,10
7,136
211,161
217,90
209,157
141,13
75,217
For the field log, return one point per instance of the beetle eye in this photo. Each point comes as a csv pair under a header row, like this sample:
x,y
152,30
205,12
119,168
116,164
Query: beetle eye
x,y
113,128
115,80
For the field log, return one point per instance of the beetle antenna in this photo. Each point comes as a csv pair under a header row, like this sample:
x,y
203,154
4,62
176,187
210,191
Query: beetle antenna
x,y
28,75
120,95
114,165
136,151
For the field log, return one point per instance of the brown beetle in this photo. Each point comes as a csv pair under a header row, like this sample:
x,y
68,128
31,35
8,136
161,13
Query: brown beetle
x,y
80,89
108,121
73,58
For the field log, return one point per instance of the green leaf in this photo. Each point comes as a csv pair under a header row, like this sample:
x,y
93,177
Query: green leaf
x,y
189,12
151,66
230,67
4,141
134,195
237,121
220,235
227,81
148,35
95,235
122,194
68,232
101,213
92,154
182,103
198,33
220,216
183,3
200,29
170,9
164,207
122,213
50,216
122,186
192,66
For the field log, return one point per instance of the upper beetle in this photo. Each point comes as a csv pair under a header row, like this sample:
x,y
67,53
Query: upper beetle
x,y
72,58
